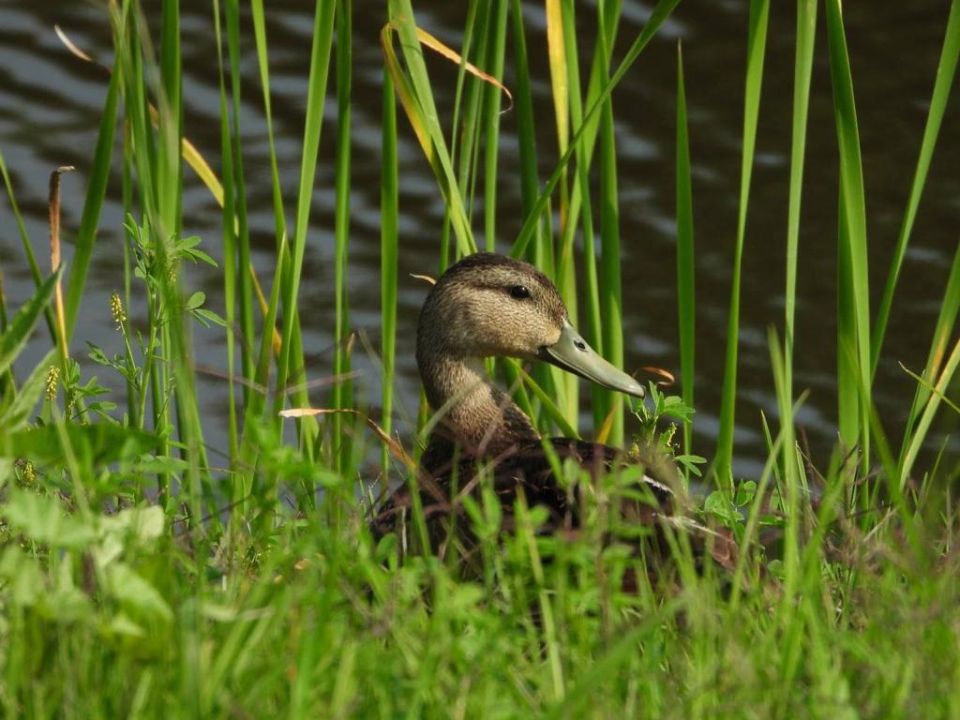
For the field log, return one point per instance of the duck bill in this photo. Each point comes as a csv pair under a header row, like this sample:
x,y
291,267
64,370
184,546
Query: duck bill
x,y
572,353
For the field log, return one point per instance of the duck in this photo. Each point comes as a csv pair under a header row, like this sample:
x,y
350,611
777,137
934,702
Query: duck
x,y
488,305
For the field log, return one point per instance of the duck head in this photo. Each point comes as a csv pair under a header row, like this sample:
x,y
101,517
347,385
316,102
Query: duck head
x,y
489,305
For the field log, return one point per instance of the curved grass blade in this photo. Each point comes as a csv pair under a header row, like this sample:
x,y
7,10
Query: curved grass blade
x,y
96,192
323,31
35,271
853,341
342,391
756,45
491,121
936,394
686,289
659,15
802,69
946,73
610,301
389,241
416,96
924,404
21,325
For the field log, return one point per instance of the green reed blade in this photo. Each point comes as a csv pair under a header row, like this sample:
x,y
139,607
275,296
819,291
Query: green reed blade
x,y
229,249
551,410
27,247
389,246
802,68
541,251
579,192
257,401
465,129
853,342
473,111
13,340
323,31
491,121
936,376
244,264
608,16
792,470
756,44
686,288
416,95
93,204
946,74
260,39
170,122
564,276
610,302
342,388
659,15
169,171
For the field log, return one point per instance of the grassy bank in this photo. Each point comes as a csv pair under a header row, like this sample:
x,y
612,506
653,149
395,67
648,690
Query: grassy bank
x,y
143,575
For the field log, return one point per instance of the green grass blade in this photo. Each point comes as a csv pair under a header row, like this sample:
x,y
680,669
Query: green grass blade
x,y
230,242
802,69
579,197
782,359
96,192
541,251
21,325
243,266
468,115
169,171
170,123
611,294
756,45
659,15
853,342
323,31
416,96
946,74
389,246
491,112
342,389
27,246
935,378
686,288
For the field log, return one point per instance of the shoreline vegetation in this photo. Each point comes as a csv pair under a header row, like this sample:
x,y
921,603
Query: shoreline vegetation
x,y
143,574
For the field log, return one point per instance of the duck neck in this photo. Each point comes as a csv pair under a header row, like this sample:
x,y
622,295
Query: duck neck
x,y
479,416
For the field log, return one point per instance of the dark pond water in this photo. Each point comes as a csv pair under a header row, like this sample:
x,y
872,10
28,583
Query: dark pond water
x,y
50,105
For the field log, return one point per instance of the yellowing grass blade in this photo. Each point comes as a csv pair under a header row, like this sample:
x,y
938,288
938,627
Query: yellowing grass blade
x,y
452,55
412,85
559,82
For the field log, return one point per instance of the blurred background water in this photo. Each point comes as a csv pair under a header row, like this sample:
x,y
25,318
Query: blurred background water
x,y
50,106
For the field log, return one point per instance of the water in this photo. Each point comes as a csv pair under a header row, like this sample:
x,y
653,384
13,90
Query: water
x,y
50,108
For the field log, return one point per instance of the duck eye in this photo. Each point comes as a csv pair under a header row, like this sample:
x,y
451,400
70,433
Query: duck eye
x,y
519,292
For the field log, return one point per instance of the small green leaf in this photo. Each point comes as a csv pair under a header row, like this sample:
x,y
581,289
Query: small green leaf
x,y
208,317
123,625
44,520
144,523
745,493
136,594
196,300
16,415
721,507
